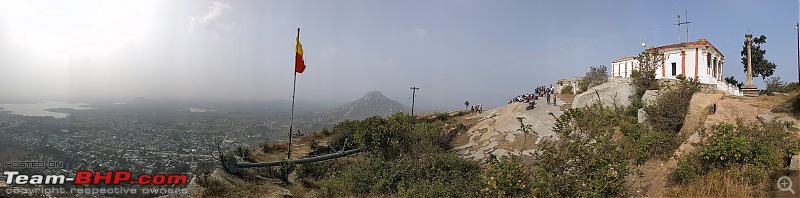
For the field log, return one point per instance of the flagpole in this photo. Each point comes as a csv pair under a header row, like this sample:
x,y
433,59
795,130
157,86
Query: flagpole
x,y
291,120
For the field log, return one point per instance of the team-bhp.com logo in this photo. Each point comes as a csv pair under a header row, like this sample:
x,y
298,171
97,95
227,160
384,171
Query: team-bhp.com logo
x,y
84,177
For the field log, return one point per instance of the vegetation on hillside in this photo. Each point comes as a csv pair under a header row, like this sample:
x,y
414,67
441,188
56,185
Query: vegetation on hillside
x,y
595,76
740,160
732,80
566,89
644,76
775,84
597,148
405,156
760,65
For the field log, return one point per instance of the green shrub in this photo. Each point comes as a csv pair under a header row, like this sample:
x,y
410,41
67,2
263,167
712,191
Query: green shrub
x,y
726,148
680,77
773,84
342,135
566,89
755,152
368,176
507,177
595,76
644,143
668,111
428,137
643,76
313,145
273,147
318,170
796,104
732,80
442,116
402,160
424,175
326,132
586,161
688,169
388,138
438,175
242,152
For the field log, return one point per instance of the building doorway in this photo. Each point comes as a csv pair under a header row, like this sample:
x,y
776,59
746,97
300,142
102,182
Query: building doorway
x,y
674,69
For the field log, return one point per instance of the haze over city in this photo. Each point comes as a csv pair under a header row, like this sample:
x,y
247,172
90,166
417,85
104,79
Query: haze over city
x,y
482,51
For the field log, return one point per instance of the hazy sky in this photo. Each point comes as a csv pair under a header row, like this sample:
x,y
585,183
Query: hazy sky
x,y
482,51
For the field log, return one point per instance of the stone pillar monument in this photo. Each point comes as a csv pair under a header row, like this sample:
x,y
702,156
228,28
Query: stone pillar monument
x,y
749,89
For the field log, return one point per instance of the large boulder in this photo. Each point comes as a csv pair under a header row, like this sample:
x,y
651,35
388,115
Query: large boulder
x,y
649,97
614,92
641,115
795,163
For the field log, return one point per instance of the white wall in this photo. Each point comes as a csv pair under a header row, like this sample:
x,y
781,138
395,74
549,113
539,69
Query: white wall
x,y
623,68
703,73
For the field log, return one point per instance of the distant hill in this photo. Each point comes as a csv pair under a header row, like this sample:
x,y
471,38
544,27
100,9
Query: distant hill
x,y
372,104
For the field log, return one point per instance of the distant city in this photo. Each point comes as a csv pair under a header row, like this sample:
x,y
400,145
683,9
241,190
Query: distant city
x,y
158,135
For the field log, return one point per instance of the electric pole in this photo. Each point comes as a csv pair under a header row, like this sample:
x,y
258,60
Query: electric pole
x,y
413,96
686,22
797,28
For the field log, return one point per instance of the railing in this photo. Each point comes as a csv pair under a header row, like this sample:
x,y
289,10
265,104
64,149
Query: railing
x,y
234,166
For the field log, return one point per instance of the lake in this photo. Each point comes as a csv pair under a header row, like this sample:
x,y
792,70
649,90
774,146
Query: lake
x,y
40,109
199,110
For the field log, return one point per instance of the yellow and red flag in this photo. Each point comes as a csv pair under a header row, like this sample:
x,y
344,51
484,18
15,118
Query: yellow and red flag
x,y
299,64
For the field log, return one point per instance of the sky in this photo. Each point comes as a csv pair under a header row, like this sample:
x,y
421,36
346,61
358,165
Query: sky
x,y
454,50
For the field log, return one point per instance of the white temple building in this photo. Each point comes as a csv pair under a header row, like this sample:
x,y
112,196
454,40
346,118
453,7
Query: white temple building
x,y
696,60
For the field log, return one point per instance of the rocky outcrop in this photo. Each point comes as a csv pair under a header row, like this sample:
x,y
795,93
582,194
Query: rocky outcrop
x,y
795,164
649,97
614,92
496,131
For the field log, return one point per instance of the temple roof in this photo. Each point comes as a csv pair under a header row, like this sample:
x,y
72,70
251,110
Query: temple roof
x,y
699,43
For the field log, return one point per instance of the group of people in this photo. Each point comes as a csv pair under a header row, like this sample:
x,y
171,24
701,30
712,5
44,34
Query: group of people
x,y
547,92
525,98
477,108
530,98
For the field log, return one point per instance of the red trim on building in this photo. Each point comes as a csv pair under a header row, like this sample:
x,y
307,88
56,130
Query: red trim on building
x,y
662,65
696,61
683,63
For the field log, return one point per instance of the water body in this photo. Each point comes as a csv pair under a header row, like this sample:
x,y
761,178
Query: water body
x,y
199,110
41,108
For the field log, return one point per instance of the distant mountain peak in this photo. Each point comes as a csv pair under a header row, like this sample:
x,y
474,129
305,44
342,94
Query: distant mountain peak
x,y
374,103
374,95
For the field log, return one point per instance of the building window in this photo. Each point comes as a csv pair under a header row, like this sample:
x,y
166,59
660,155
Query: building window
x,y
674,68
708,63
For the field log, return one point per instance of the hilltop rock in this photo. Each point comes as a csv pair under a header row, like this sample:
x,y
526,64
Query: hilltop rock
x,y
495,131
373,103
615,91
